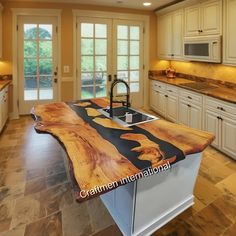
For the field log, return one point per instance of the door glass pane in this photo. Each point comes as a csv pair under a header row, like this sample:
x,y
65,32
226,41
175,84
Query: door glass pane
x,y
45,48
128,56
101,63
134,76
87,78
101,78
123,75
101,91
94,47
87,63
87,46
122,63
30,49
45,31
45,87
45,66
134,87
122,47
122,32
87,92
87,30
100,31
100,46
30,66
121,88
134,32
134,47
30,31
38,61
134,62
30,88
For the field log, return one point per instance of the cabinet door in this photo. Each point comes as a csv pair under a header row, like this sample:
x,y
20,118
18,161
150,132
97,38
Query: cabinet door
x,y
164,36
153,99
212,125
5,105
229,136
195,116
172,108
177,34
161,103
211,17
183,113
229,46
192,20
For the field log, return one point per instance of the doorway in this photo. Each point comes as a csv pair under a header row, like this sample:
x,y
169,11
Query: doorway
x,y
37,61
109,48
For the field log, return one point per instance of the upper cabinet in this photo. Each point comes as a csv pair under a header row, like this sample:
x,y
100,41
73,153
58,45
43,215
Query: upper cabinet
x,y
170,35
229,45
1,30
204,19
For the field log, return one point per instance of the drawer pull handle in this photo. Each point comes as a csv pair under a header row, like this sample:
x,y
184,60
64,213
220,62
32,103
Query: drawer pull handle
x,y
189,105
159,86
170,91
219,108
222,109
189,97
166,96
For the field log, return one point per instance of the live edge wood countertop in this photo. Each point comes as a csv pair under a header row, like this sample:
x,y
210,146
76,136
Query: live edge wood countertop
x,y
220,92
102,152
4,83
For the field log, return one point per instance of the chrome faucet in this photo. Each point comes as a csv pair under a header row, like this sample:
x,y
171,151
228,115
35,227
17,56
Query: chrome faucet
x,y
127,103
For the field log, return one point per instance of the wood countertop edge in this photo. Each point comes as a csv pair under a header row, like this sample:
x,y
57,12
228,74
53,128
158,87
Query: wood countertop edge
x,y
205,92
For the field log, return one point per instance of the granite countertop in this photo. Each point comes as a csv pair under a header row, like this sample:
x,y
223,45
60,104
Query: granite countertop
x,y
220,91
4,83
102,152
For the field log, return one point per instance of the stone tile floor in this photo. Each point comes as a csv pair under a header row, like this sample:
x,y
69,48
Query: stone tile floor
x,y
36,198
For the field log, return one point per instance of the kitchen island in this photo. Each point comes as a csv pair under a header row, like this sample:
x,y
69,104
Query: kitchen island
x,y
145,174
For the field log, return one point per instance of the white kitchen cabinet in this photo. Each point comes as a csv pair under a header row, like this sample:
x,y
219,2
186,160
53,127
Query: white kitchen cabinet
x,y
212,126
228,135
220,119
204,19
1,8
164,100
3,107
190,114
229,46
170,35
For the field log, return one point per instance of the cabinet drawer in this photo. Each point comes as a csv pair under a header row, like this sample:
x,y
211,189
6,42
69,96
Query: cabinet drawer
x,y
171,89
191,97
156,85
224,107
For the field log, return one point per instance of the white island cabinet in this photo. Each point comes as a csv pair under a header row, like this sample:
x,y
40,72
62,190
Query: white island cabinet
x,y
142,207
3,107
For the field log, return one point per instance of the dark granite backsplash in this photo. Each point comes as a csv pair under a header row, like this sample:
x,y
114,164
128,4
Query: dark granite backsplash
x,y
195,78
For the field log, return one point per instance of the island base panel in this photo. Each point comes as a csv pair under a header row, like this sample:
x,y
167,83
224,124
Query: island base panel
x,y
143,206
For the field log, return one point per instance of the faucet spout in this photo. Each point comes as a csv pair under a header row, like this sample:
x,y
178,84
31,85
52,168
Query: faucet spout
x,y
127,103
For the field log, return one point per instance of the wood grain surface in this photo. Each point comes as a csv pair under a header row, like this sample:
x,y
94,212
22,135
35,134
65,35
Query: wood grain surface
x,y
102,152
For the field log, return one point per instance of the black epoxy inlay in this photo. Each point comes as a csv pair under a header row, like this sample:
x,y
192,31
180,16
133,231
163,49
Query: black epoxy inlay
x,y
125,146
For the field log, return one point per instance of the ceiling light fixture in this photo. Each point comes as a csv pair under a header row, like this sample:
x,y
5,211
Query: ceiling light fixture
x,y
147,4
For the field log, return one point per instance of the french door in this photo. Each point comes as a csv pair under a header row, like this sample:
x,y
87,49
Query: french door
x,y
37,61
107,49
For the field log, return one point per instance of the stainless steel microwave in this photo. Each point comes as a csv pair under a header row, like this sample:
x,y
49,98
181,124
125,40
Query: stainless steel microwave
x,y
204,48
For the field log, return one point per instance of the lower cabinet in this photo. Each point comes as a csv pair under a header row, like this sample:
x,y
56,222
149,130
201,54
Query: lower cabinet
x,y
3,107
164,101
197,111
220,119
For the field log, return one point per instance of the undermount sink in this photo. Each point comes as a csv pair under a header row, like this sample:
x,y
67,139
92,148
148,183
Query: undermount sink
x,y
199,85
120,116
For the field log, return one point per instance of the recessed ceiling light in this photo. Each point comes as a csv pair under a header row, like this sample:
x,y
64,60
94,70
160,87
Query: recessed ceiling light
x,y
147,4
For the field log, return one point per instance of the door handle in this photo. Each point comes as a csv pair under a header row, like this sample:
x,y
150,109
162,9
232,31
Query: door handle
x,y
109,78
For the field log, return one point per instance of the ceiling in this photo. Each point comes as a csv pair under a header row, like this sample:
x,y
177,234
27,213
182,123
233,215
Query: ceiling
x,y
135,4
